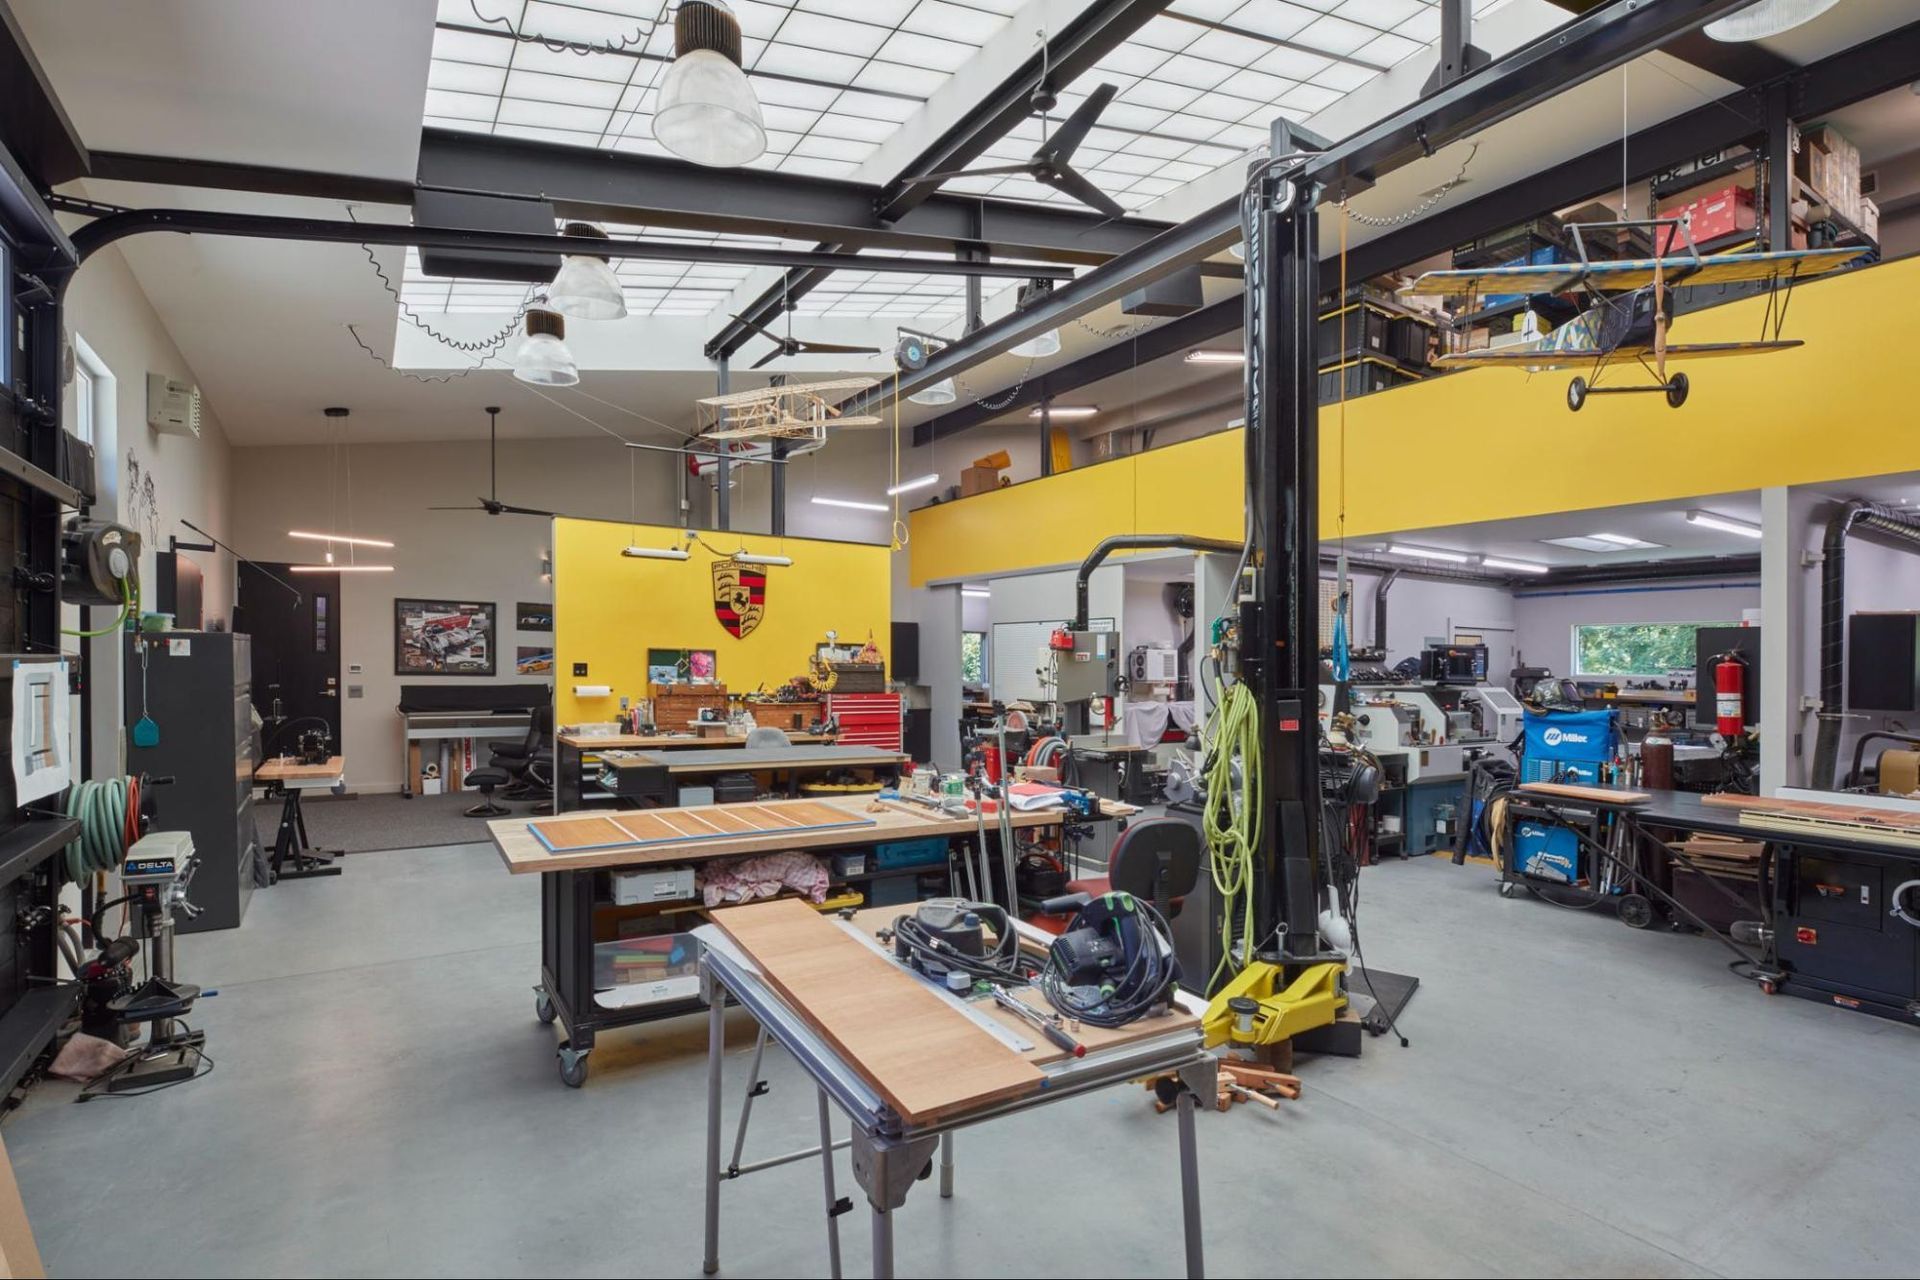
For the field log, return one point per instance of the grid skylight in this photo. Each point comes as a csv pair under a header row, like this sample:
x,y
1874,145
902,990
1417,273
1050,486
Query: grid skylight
x,y
834,79
1201,84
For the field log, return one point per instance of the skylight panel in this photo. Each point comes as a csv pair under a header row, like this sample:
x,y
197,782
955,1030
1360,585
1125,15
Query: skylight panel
x,y
461,106
465,77
1274,18
912,50
1295,64
542,87
1334,35
820,31
1390,50
816,64
574,22
1197,73
1386,15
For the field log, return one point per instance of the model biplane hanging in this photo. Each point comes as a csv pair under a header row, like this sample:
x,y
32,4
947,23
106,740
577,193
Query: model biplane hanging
x,y
794,411
1629,307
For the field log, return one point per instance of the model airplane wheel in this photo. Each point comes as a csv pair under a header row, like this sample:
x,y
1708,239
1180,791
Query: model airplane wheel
x,y
1576,394
1635,911
1677,390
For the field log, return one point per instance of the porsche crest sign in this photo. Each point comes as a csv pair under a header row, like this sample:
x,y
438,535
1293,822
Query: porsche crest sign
x,y
739,596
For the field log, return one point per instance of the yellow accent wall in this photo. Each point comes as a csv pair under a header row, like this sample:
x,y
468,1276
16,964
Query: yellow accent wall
x,y
609,609
1497,444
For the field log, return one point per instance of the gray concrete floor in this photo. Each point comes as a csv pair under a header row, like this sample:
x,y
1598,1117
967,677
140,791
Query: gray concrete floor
x,y
1578,1099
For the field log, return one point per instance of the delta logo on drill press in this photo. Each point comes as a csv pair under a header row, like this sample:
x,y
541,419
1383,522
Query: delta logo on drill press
x,y
739,596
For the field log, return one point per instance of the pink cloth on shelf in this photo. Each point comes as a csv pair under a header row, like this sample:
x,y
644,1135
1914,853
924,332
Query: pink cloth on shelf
x,y
762,876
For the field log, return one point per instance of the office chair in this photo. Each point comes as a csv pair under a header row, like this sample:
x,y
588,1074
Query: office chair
x,y
515,756
487,777
767,736
1155,859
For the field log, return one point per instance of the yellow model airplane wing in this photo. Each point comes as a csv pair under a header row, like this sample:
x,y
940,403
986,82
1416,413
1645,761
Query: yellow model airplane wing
x,y
1681,271
1539,359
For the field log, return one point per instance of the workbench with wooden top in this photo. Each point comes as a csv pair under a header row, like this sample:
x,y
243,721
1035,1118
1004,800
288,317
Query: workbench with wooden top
x,y
574,853
655,775
1834,878
573,750
909,1063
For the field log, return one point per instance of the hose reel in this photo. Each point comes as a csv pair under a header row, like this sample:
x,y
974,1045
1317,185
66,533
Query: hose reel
x,y
99,562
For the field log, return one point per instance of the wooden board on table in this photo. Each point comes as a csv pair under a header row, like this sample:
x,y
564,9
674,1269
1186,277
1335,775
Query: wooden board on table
x,y
926,1058
645,827
1595,795
286,769
1869,826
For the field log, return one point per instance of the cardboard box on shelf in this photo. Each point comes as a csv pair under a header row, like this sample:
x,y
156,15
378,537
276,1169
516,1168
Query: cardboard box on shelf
x,y
979,480
1869,219
1708,217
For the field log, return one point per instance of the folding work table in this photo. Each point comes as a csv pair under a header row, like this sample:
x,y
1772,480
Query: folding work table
x,y
290,844
909,1065
569,899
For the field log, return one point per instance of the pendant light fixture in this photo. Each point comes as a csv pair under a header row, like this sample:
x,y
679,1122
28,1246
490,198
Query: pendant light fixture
x,y
338,415
543,358
706,111
587,288
1039,345
941,392
1765,19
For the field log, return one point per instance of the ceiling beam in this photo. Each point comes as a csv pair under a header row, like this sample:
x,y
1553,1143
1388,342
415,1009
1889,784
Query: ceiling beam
x,y
646,190
33,124
1097,31
1466,107
117,226
1742,63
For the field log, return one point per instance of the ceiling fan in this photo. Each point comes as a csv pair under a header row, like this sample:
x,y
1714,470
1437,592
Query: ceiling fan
x,y
792,346
492,504
1051,163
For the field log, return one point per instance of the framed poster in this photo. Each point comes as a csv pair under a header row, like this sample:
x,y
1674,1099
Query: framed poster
x,y
532,617
682,666
533,660
443,638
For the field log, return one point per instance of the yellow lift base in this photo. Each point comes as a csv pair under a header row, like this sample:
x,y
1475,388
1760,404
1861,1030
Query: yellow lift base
x,y
1314,999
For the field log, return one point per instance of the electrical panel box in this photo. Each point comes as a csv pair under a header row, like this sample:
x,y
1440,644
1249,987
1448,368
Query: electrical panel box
x,y
173,407
1087,670
1883,662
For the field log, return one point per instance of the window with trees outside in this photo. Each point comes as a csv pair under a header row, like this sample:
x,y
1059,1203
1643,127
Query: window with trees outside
x,y
1635,648
973,657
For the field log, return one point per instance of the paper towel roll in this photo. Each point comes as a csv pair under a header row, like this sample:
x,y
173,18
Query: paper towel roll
x,y
592,690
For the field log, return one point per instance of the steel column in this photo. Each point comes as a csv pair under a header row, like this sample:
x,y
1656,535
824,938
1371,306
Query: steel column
x,y
1777,155
777,489
722,467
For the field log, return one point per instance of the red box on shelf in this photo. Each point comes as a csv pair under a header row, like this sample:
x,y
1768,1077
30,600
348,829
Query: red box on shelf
x,y
1716,214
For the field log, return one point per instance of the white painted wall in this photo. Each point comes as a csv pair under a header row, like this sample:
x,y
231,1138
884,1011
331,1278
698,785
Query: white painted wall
x,y
186,477
452,554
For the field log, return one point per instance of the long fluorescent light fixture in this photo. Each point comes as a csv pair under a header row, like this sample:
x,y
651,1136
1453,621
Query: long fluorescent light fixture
x,y
1726,524
908,486
1067,411
1513,566
754,557
976,593
1620,539
1205,356
338,537
656,553
1422,553
849,503
341,568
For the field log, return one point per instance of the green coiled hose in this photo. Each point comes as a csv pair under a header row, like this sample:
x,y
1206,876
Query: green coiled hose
x,y
101,807
1232,821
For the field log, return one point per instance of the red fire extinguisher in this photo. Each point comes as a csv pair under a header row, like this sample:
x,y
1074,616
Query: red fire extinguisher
x,y
990,763
1729,694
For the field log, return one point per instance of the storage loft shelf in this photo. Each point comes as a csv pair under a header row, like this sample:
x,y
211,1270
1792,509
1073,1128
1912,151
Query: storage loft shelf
x,y
33,842
1713,176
